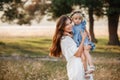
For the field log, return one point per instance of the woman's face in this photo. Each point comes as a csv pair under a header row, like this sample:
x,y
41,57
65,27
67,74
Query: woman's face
x,y
68,26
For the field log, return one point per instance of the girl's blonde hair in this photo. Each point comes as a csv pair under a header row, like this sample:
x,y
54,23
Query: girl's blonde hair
x,y
77,12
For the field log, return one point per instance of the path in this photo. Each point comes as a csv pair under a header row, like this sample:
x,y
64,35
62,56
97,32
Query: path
x,y
45,58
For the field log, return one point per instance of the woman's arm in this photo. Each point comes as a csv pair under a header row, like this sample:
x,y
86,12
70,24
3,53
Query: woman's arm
x,y
80,48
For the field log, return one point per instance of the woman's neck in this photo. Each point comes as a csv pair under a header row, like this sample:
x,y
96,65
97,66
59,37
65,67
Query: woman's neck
x,y
67,34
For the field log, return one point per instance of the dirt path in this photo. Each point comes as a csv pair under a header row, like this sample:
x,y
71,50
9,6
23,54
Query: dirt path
x,y
45,58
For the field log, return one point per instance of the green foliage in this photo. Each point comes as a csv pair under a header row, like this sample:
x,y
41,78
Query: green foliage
x,y
15,12
8,13
95,5
8,1
5,1
43,8
60,7
11,14
113,6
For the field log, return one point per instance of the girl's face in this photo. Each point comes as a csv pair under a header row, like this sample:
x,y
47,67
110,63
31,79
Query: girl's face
x,y
68,26
77,18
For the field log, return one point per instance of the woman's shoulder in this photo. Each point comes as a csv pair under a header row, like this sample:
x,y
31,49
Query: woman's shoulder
x,y
67,40
64,38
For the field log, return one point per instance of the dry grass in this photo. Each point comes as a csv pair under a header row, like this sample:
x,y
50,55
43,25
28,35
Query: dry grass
x,y
35,69
31,69
107,69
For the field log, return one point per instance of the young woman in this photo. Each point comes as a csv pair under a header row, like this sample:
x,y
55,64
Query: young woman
x,y
63,44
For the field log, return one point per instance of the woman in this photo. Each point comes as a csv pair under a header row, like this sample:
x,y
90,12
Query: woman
x,y
64,44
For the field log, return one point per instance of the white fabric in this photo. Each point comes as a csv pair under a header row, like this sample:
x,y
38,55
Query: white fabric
x,y
75,69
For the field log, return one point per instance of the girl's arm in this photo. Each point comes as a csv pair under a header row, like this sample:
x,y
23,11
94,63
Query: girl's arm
x,y
88,34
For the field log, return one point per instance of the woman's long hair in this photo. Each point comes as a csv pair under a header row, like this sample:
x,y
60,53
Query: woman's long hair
x,y
55,49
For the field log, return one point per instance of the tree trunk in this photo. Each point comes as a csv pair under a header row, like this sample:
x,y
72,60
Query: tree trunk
x,y
113,20
91,25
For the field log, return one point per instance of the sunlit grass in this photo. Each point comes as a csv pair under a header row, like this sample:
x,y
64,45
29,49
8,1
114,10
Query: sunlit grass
x,y
103,49
25,46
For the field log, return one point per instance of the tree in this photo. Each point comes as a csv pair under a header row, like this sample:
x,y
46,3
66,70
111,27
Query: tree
x,y
60,7
14,13
113,13
18,12
7,1
94,8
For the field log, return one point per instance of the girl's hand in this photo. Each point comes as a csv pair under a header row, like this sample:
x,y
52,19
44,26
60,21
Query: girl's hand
x,y
89,37
84,35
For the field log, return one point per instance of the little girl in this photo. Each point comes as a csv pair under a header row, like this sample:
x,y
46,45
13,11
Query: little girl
x,y
80,26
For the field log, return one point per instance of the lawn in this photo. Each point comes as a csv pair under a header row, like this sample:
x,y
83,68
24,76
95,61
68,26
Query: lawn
x,y
20,59
25,46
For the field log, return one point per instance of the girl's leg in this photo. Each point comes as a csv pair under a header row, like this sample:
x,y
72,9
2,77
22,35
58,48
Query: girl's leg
x,y
87,76
87,54
84,61
89,58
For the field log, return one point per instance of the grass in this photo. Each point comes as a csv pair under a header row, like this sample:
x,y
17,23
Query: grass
x,y
19,60
31,69
25,46
105,50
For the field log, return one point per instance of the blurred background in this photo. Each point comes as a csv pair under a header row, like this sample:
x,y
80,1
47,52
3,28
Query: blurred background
x,y
27,27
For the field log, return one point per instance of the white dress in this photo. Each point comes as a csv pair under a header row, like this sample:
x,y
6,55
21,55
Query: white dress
x,y
75,69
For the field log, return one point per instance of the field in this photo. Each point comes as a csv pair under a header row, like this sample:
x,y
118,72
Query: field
x,y
28,59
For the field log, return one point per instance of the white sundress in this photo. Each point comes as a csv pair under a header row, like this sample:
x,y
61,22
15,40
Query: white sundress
x,y
75,69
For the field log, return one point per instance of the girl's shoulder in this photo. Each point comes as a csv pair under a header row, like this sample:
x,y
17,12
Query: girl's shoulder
x,y
83,22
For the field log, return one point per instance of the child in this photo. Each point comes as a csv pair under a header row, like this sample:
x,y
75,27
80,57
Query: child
x,y
80,26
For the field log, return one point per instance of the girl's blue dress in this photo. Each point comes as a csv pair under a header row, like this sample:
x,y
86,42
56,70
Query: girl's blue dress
x,y
77,36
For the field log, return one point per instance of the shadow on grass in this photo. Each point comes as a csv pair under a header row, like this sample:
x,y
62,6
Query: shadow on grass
x,y
40,47
105,54
23,49
41,41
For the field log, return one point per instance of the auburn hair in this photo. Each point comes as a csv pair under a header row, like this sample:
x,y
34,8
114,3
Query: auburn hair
x,y
55,49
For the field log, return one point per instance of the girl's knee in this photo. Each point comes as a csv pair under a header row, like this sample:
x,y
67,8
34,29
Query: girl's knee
x,y
87,48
